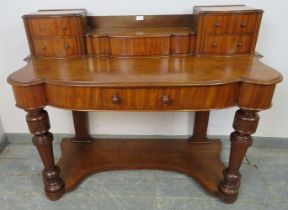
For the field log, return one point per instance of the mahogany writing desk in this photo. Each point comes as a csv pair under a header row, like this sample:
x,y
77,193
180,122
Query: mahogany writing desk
x,y
167,68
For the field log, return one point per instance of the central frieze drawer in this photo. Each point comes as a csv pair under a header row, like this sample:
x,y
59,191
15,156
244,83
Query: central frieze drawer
x,y
140,98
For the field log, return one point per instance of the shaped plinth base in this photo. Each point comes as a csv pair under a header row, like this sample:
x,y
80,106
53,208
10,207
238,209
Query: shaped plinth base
x,y
198,160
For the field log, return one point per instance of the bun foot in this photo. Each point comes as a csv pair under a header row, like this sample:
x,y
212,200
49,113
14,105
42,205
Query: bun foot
x,y
228,199
54,196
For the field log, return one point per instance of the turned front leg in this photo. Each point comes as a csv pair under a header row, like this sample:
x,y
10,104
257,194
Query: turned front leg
x,y
245,123
38,123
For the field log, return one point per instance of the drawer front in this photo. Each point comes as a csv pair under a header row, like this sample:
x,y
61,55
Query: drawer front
x,y
58,47
75,98
140,98
127,46
216,24
230,24
54,26
179,44
209,97
243,23
228,44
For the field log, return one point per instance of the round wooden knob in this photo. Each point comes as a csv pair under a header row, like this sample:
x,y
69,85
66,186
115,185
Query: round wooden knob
x,y
239,44
217,25
44,47
214,45
64,27
116,99
166,100
66,46
243,25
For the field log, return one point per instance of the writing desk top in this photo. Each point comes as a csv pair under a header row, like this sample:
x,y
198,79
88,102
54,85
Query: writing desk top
x,y
145,71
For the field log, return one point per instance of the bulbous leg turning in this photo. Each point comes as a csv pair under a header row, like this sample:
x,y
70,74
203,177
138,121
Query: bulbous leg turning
x,y
245,123
38,123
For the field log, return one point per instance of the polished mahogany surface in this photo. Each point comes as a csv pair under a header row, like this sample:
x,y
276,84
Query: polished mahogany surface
x,y
146,71
175,155
148,83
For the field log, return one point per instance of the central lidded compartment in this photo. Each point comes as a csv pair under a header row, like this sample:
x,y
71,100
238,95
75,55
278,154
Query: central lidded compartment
x,y
141,41
134,36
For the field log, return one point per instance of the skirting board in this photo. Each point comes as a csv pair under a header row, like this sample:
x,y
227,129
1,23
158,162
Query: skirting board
x,y
265,142
3,142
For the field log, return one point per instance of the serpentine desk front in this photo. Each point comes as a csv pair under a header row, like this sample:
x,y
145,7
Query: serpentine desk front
x,y
194,62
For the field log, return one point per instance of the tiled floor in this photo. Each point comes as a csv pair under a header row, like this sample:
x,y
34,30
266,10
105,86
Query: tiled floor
x,y
264,185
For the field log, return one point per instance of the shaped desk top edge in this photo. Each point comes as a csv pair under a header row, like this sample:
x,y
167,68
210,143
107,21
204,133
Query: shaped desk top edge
x,y
241,81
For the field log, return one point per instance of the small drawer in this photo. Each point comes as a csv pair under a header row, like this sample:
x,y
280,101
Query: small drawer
x,y
58,47
54,26
140,98
227,44
216,24
243,23
230,24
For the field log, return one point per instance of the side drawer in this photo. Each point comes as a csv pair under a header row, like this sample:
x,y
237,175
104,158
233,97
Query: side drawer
x,y
230,23
57,47
216,24
227,44
54,26
140,98
243,23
